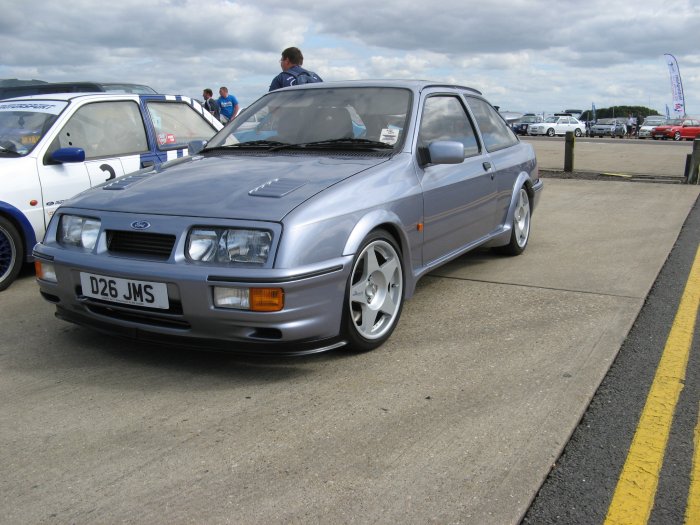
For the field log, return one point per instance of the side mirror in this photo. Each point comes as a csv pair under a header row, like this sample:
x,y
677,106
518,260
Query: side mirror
x,y
445,152
64,155
196,146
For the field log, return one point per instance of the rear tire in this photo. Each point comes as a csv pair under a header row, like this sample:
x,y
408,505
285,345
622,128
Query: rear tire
x,y
520,232
11,253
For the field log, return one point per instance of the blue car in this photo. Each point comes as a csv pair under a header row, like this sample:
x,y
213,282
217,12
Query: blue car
x,y
302,226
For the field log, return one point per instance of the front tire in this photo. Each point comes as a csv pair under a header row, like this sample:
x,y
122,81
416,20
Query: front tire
x,y
550,132
577,132
677,136
11,250
374,293
520,232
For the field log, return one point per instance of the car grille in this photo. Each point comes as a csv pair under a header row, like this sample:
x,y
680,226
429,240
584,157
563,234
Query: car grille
x,y
135,315
149,245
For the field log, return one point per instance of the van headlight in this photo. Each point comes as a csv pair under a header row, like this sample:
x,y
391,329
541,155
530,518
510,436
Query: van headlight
x,y
227,245
81,232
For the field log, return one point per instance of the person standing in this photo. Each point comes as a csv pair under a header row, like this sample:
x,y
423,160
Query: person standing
x,y
292,73
209,103
228,105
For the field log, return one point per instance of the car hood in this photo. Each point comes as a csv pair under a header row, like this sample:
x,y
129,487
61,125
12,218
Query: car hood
x,y
251,187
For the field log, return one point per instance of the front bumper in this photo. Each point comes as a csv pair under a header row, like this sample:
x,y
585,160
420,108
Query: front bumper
x,y
310,320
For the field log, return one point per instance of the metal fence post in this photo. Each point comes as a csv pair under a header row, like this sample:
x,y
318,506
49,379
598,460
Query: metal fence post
x,y
693,177
569,152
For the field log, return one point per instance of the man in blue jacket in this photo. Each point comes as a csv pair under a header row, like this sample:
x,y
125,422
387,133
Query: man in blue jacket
x,y
228,105
292,73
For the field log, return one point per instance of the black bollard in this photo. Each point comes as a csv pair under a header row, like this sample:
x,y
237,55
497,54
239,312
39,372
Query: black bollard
x,y
569,152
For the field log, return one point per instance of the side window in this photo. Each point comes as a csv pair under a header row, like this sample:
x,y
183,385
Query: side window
x,y
495,132
177,123
444,118
104,129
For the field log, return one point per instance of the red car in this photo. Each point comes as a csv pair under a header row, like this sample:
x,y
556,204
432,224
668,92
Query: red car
x,y
679,129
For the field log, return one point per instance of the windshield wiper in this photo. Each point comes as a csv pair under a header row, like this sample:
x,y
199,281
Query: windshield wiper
x,y
251,144
5,151
343,143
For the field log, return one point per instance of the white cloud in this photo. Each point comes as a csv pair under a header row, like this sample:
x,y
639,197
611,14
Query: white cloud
x,y
523,54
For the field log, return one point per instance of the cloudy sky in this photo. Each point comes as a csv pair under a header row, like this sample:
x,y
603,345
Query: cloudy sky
x,y
524,55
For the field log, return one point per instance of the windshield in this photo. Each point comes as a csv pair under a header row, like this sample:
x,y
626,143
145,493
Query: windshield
x,y
345,118
654,121
22,124
605,122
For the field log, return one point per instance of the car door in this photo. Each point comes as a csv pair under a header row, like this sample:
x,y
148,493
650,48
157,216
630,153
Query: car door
x,y
690,129
458,199
504,157
113,136
564,125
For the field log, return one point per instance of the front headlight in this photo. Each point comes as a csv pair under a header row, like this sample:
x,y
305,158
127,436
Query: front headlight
x,y
82,232
227,245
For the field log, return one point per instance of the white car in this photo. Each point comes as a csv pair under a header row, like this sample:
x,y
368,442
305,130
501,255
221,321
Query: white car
x,y
55,146
649,124
557,125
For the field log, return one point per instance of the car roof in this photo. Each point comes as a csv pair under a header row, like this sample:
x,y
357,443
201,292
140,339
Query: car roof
x,y
417,85
100,95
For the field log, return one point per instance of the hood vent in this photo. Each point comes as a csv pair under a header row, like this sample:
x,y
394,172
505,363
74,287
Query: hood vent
x,y
276,188
124,182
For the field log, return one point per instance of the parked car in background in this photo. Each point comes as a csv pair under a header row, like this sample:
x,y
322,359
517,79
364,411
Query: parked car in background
x,y
557,125
649,124
55,146
520,126
45,88
303,233
574,113
678,129
609,127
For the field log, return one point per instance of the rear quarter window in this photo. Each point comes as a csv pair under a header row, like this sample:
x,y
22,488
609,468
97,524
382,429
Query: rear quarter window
x,y
176,124
494,130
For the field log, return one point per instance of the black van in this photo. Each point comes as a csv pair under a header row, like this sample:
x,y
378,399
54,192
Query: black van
x,y
23,90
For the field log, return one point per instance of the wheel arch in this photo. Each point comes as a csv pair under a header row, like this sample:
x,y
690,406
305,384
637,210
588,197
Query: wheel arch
x,y
522,181
23,226
389,221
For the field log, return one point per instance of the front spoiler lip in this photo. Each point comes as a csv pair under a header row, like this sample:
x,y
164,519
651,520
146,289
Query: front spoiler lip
x,y
288,349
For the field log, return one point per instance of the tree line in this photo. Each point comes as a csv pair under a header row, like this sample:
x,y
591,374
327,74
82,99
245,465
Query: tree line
x,y
640,112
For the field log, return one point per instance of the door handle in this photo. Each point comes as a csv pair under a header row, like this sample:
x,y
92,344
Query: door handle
x,y
147,164
487,166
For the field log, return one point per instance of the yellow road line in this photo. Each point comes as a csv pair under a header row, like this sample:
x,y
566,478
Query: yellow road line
x,y
634,495
692,509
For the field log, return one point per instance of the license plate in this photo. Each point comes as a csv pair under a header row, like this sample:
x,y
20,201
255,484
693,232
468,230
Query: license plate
x,y
125,291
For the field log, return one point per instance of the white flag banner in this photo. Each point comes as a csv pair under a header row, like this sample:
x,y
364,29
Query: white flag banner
x,y
676,85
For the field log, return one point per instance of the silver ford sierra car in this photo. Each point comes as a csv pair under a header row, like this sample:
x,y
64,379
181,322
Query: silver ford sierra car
x,y
302,226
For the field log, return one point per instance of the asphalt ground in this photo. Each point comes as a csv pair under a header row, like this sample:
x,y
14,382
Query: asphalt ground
x,y
457,419
580,487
